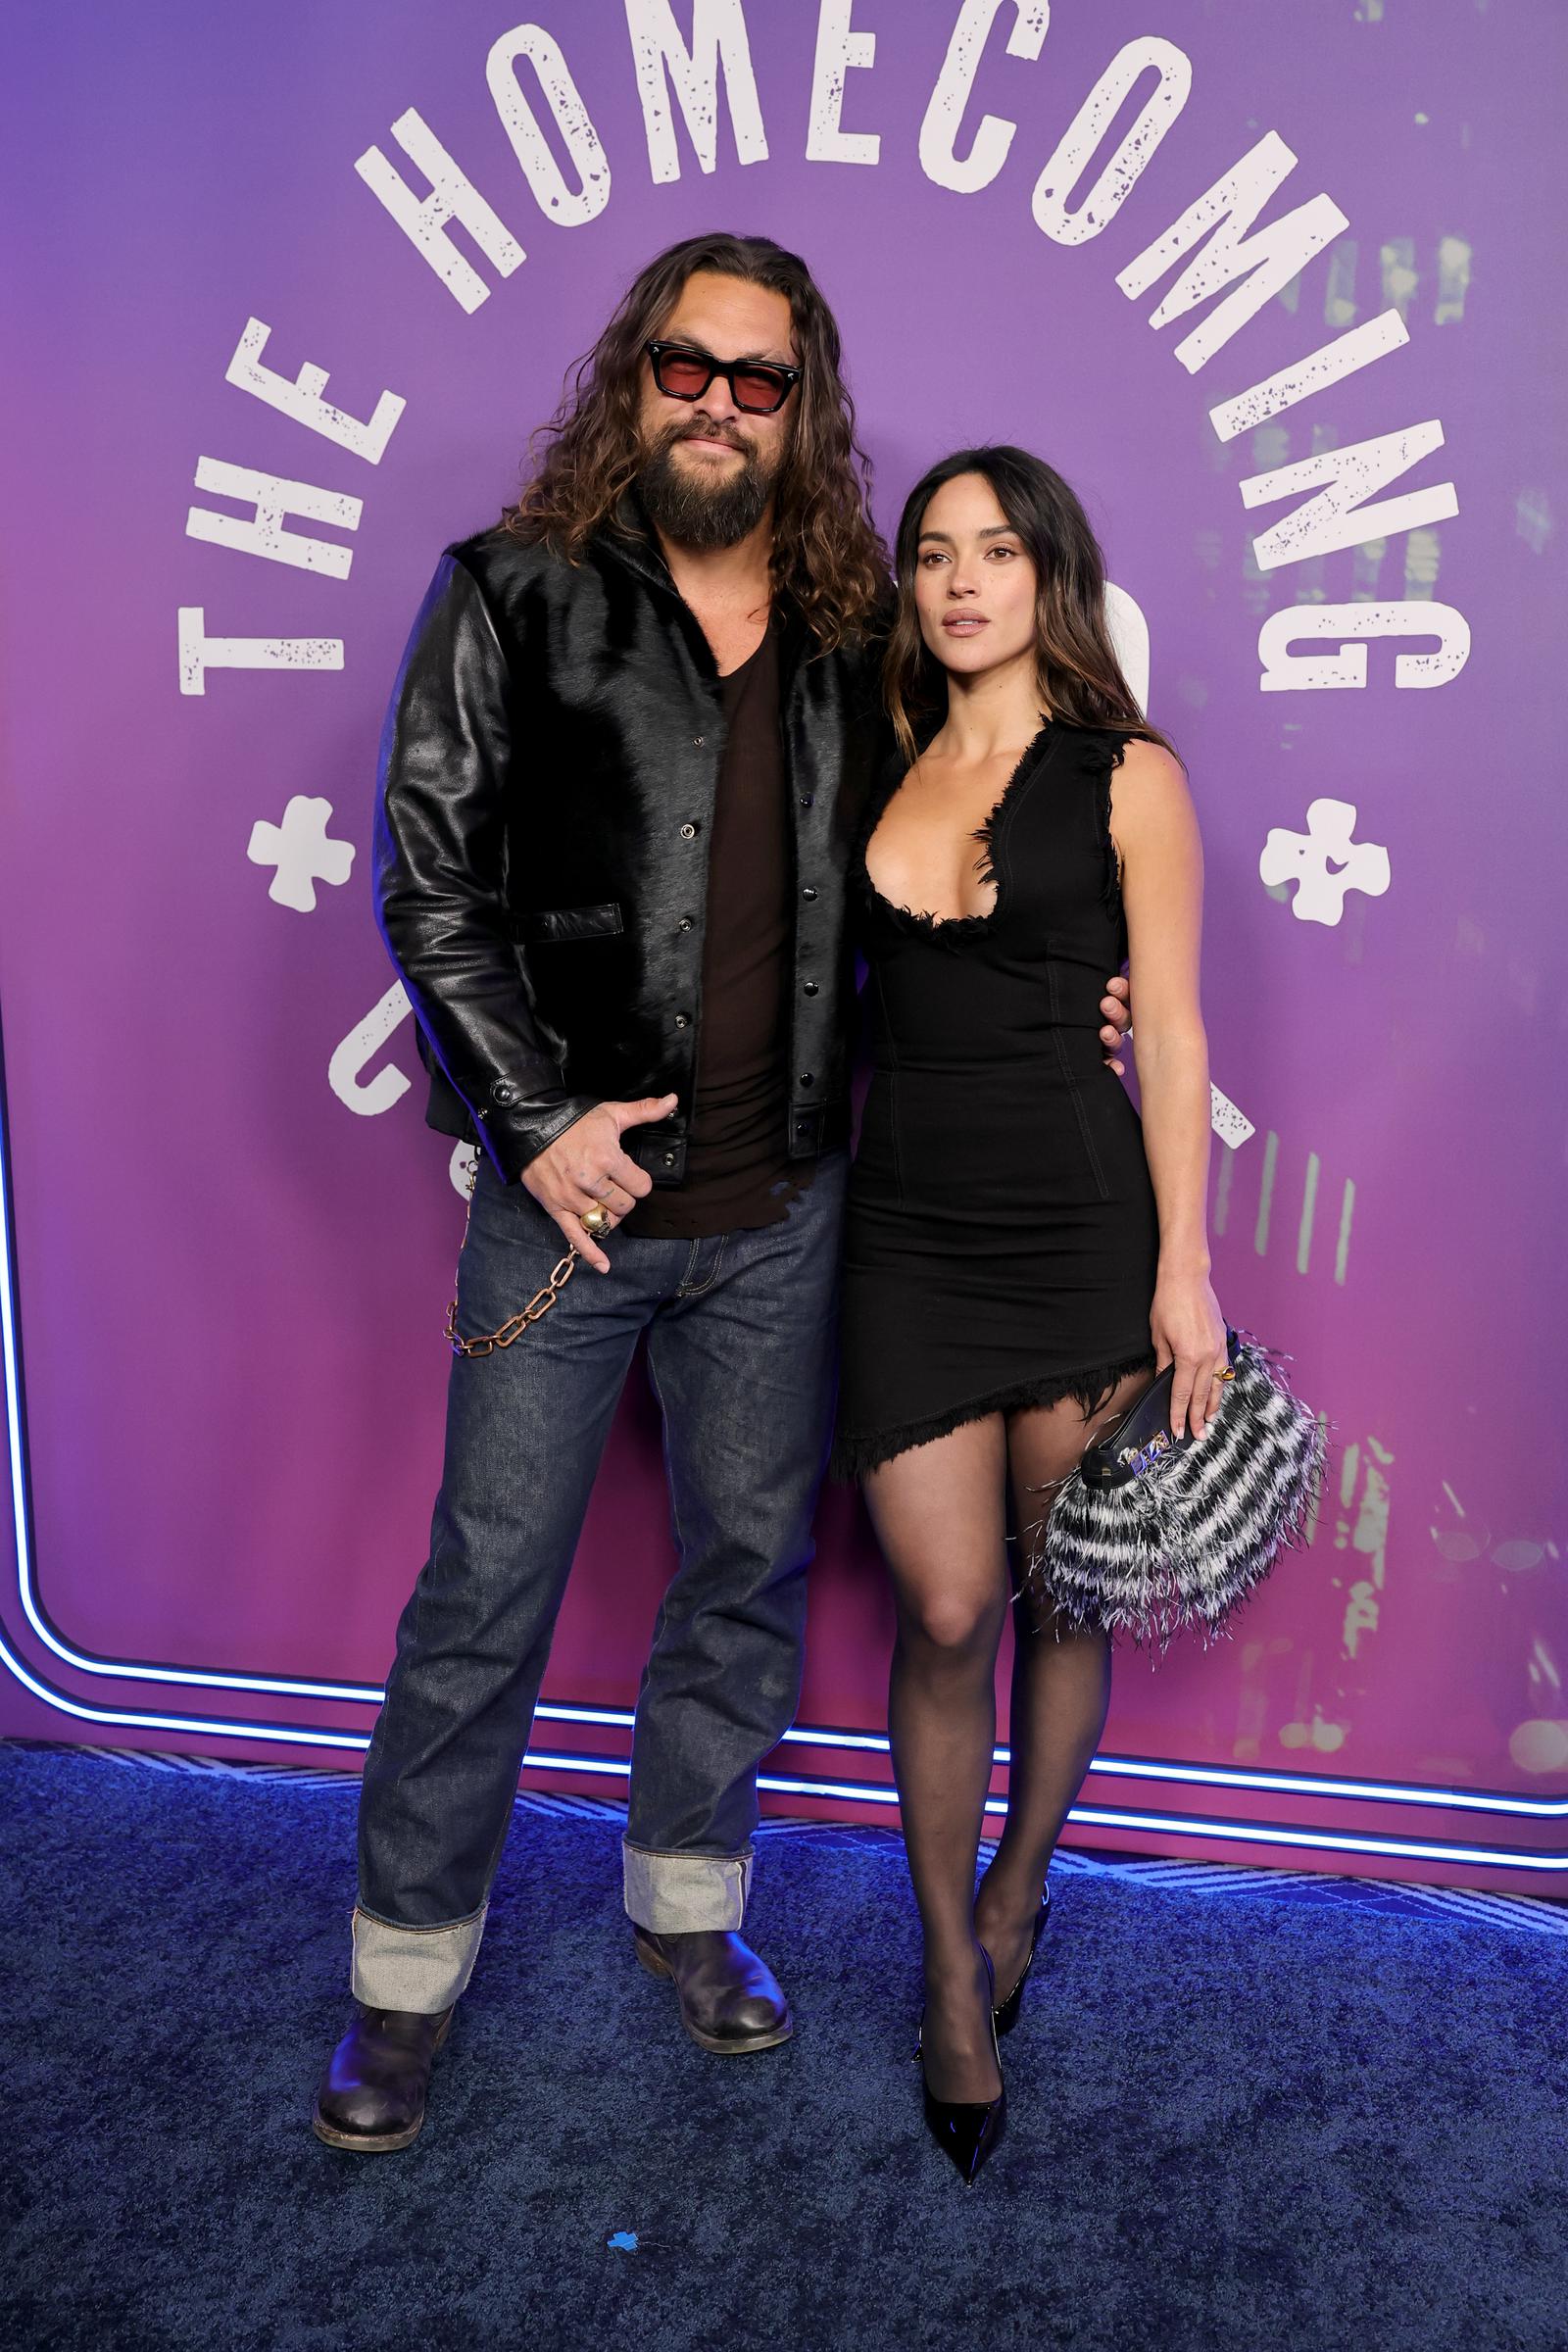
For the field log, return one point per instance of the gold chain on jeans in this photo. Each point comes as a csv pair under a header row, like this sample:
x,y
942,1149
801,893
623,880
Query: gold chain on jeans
x,y
515,1326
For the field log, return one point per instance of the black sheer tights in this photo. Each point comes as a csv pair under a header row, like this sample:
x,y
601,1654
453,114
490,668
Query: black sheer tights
x,y
940,1513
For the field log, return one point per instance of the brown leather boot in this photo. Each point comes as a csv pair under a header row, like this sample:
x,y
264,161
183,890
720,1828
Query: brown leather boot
x,y
731,2001
371,2097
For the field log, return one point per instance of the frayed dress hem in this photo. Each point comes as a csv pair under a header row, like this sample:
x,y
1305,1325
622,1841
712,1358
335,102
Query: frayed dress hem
x,y
856,1451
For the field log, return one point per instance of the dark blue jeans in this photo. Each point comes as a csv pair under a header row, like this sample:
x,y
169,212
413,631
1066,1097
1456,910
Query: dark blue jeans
x,y
740,1349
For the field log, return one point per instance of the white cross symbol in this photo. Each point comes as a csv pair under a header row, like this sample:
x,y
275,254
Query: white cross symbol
x,y
1305,858
301,852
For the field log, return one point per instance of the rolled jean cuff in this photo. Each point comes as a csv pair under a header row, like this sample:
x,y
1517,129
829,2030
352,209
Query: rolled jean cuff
x,y
423,1969
675,1894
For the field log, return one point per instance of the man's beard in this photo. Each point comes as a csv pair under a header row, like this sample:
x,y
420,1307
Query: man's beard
x,y
693,511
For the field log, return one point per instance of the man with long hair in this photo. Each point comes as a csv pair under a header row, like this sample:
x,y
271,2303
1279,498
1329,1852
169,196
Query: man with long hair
x,y
618,780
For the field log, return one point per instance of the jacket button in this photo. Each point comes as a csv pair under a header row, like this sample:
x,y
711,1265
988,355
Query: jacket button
x,y
699,740
807,1078
688,832
806,798
680,1021
685,923
503,1092
808,893
811,988
669,1160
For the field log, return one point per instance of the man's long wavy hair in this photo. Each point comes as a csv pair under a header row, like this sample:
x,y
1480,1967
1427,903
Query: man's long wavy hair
x,y
827,552
1080,676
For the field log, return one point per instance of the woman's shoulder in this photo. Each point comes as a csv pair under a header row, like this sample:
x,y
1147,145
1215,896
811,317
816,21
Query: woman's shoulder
x,y
1100,753
1151,807
1149,775
1090,746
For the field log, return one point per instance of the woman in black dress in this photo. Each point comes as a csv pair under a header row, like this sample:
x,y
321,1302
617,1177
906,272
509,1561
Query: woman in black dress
x,y
1021,1254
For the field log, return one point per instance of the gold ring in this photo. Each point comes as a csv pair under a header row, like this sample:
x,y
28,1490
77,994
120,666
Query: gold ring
x,y
595,1221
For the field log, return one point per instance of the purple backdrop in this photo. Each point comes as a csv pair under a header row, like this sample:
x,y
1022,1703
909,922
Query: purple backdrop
x,y
231,1274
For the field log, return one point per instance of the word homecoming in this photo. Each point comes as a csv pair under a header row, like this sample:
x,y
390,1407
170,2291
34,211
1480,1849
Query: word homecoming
x,y
1230,264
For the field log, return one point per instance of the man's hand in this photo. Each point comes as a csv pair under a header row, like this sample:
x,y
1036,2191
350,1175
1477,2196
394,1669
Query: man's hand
x,y
585,1167
1115,1006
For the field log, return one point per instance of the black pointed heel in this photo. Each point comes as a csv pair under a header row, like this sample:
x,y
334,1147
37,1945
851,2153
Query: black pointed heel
x,y
966,2130
1006,2013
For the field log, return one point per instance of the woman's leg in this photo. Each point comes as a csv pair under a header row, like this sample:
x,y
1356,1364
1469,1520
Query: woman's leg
x,y
1060,1689
939,1516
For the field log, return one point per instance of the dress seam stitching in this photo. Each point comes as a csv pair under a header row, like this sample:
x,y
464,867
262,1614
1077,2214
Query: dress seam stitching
x,y
1070,1078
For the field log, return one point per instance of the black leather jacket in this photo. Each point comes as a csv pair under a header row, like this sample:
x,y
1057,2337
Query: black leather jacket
x,y
548,774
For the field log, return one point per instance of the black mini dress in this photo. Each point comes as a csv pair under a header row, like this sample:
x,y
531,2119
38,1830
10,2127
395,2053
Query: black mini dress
x,y
1003,1237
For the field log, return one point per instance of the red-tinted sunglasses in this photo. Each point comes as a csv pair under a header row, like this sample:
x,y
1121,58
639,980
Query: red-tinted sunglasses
x,y
758,386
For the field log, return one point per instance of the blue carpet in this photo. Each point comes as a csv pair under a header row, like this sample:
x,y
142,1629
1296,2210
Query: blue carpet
x,y
1245,2114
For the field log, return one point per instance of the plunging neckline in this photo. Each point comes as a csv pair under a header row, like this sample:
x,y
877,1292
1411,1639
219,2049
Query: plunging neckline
x,y
960,926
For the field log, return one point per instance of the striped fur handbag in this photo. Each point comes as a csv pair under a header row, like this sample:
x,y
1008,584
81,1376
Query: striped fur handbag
x,y
1154,1534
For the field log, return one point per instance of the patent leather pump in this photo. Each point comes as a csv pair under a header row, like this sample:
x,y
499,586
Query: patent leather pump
x,y
966,2130
1007,2011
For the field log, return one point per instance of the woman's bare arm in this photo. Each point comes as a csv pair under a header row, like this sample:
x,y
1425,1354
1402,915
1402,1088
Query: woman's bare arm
x,y
1155,828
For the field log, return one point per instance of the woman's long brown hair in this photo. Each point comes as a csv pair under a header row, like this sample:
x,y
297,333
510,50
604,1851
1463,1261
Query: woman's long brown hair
x,y
827,552
1080,675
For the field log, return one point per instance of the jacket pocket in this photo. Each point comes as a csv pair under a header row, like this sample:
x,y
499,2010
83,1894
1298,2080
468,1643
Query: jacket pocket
x,y
558,923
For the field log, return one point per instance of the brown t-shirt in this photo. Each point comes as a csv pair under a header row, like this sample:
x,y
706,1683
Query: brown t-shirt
x,y
737,1174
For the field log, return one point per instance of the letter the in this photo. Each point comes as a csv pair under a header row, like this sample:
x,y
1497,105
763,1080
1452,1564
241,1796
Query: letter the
x,y
955,86
1329,365
370,1097
265,533
840,52
1263,263
568,206
300,397
662,59
1339,627
452,196
1074,224
1335,518
199,653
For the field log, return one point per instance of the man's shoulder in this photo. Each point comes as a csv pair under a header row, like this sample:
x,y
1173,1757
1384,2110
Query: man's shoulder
x,y
859,656
866,651
499,561
518,574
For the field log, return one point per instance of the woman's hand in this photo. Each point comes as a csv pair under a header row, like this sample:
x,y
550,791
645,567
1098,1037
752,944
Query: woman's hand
x,y
1187,1327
